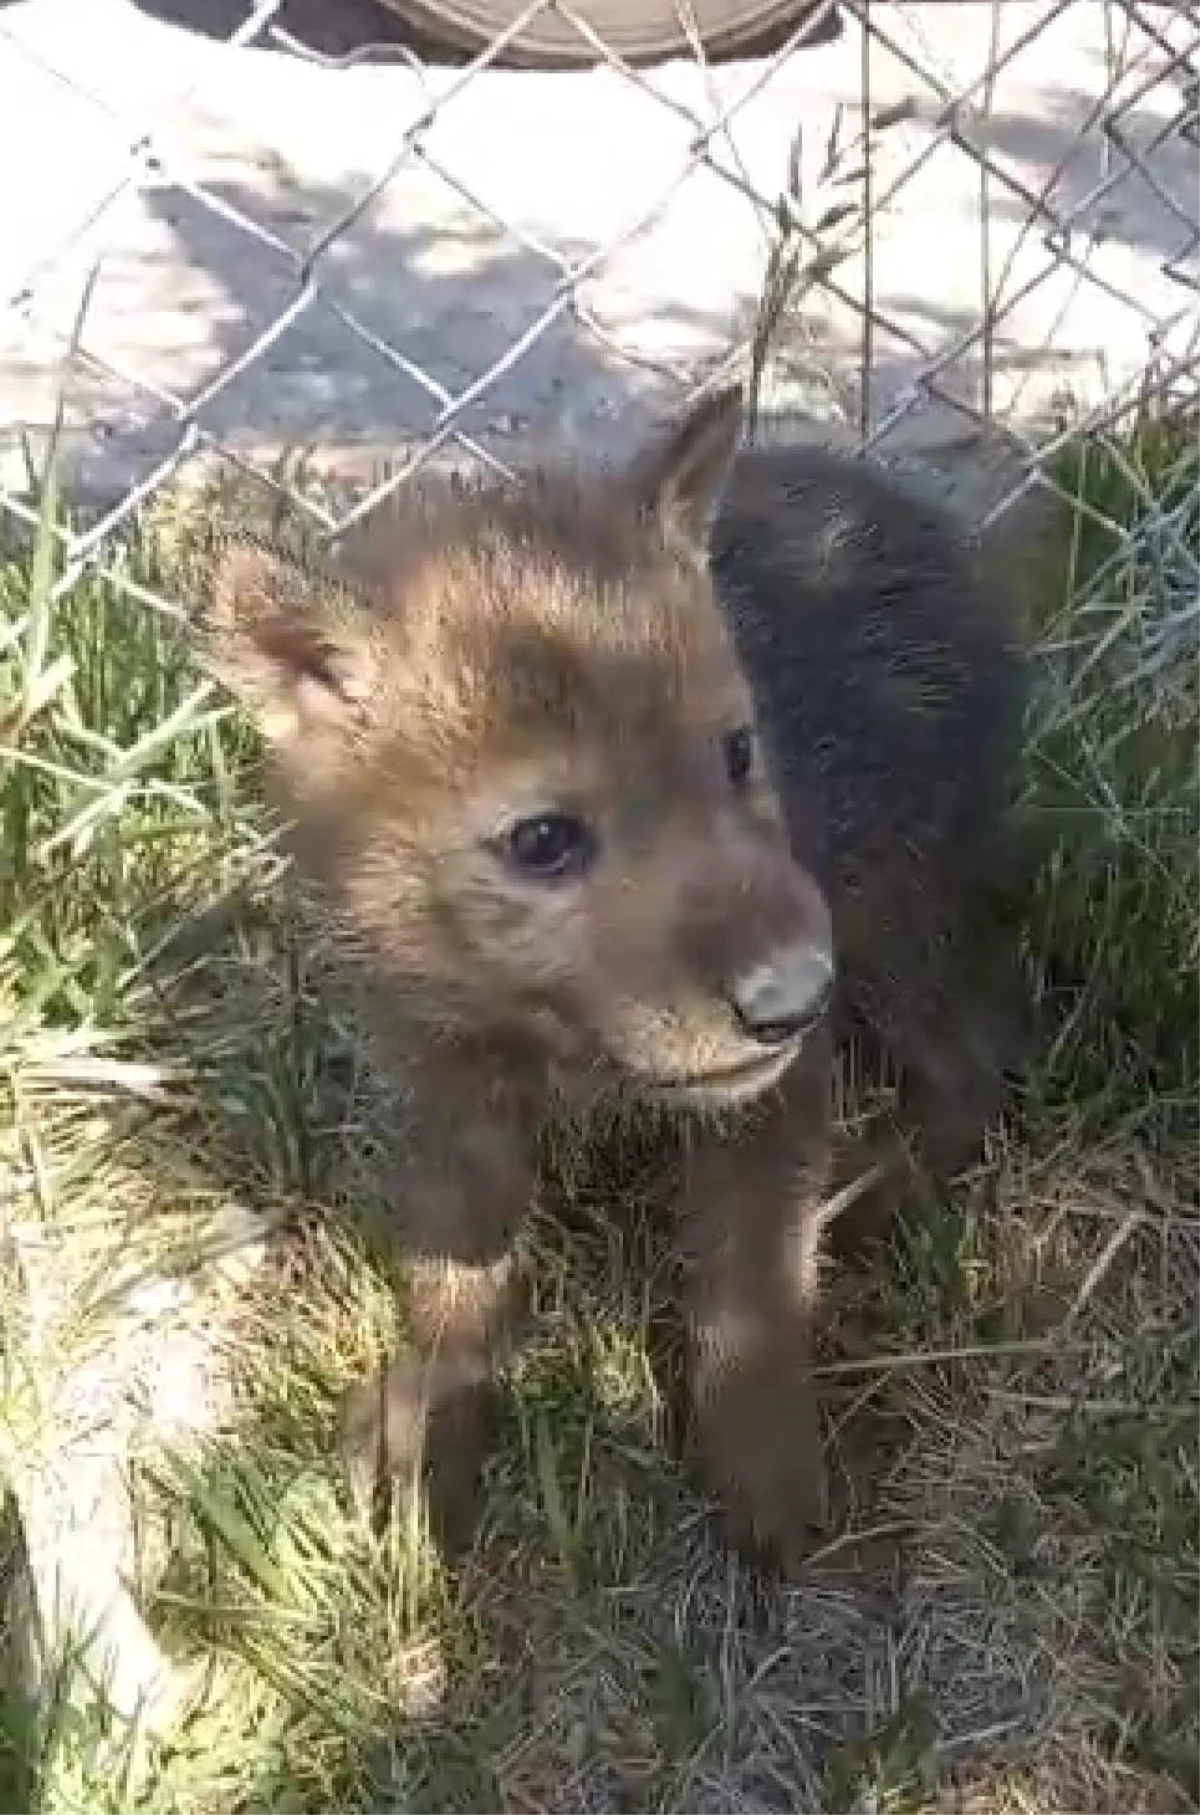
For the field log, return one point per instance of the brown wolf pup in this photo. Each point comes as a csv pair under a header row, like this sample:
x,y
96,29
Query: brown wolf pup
x,y
643,784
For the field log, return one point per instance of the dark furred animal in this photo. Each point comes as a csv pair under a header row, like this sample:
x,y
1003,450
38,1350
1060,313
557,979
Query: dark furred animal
x,y
585,827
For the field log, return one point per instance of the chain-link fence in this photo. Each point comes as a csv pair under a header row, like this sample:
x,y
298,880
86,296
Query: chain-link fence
x,y
225,246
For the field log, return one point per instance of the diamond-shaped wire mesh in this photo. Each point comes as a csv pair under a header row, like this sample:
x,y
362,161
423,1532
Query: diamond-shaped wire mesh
x,y
983,214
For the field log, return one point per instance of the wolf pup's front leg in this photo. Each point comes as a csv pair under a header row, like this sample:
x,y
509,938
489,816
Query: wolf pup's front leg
x,y
462,1183
752,1214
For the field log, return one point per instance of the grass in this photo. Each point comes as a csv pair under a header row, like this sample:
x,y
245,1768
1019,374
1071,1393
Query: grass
x,y
1010,1621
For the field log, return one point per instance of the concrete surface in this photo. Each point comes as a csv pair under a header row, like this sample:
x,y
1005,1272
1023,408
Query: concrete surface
x,y
200,176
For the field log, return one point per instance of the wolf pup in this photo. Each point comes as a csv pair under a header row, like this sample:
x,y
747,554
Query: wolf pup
x,y
646,783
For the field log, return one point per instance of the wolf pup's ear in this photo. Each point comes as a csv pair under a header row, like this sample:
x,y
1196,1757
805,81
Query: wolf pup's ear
x,y
681,477
294,646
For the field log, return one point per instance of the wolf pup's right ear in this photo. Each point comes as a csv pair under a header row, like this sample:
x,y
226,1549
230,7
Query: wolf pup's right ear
x,y
680,477
294,646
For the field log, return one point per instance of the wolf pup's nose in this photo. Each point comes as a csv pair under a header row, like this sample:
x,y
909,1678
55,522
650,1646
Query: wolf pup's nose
x,y
774,1002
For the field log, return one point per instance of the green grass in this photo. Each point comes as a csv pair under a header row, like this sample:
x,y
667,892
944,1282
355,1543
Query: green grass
x,y
1010,1620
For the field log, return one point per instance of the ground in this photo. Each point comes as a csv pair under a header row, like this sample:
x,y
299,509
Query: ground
x,y
1007,1620
185,184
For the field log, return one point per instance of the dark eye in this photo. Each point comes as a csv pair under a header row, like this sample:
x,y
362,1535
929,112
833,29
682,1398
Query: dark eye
x,y
738,748
551,844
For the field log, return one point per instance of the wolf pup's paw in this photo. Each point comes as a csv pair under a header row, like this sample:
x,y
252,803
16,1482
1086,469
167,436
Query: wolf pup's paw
x,y
394,1439
761,1452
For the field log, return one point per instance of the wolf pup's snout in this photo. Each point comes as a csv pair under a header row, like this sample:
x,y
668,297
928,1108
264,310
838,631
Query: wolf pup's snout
x,y
779,999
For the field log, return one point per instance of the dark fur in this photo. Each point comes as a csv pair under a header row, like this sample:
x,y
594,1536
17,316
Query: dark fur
x,y
890,692
481,652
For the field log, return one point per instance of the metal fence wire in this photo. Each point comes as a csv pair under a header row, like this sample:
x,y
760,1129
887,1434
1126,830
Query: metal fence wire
x,y
216,248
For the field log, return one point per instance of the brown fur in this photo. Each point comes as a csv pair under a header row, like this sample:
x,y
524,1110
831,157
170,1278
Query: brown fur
x,y
482,656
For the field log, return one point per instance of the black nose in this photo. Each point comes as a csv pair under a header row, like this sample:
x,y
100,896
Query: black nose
x,y
777,1000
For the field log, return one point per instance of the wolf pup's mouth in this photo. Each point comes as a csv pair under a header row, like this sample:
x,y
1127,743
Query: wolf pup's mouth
x,y
730,1083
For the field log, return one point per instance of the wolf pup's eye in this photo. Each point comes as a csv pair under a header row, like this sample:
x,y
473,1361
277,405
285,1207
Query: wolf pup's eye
x,y
551,845
738,749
